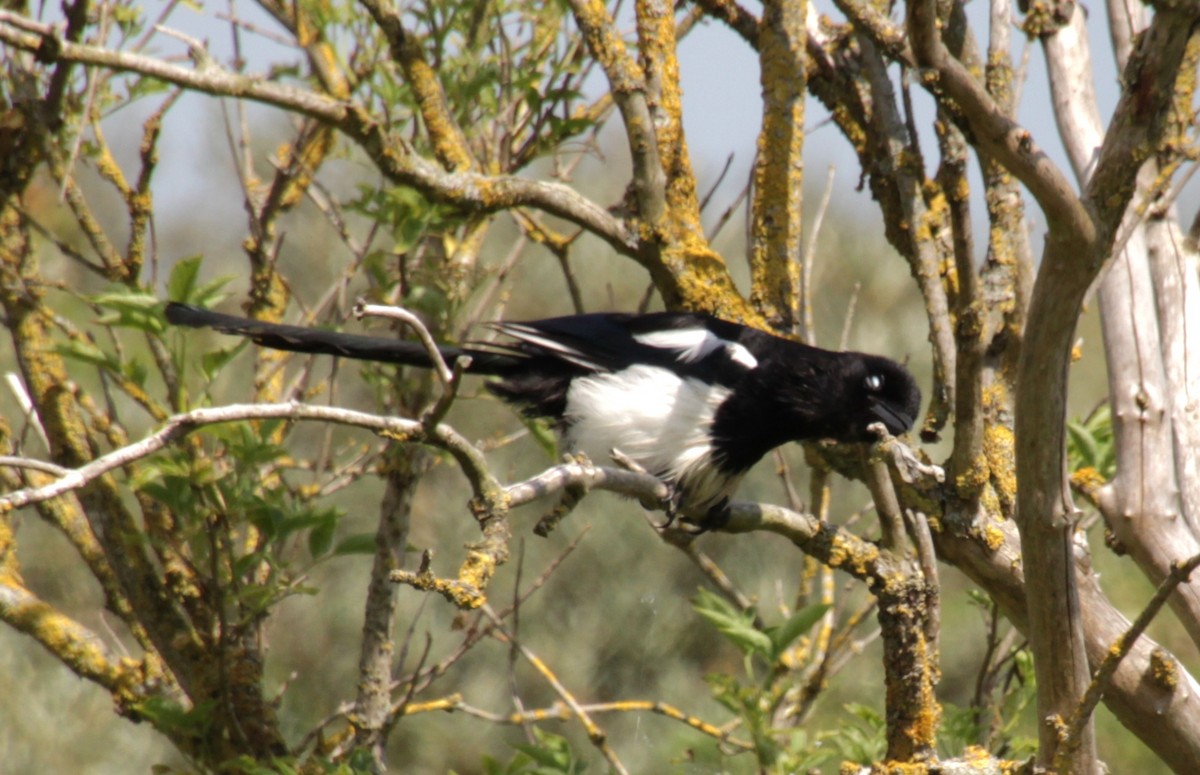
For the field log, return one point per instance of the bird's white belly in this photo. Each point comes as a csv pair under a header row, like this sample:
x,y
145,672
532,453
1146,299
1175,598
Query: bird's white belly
x,y
660,420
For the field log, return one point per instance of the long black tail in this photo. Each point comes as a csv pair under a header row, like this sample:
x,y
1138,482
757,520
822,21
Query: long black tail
x,y
315,340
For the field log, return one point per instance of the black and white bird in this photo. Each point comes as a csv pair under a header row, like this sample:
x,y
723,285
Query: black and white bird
x,y
693,399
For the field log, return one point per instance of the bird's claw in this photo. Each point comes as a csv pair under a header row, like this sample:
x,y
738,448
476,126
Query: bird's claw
x,y
669,505
715,518
691,525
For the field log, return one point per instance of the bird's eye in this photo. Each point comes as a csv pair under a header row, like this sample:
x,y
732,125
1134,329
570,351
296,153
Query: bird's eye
x,y
874,382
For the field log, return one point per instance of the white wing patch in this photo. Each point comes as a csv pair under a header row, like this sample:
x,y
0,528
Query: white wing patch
x,y
692,344
741,355
534,337
657,418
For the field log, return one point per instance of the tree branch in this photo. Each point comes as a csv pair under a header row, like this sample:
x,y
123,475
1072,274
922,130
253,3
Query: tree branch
x,y
776,210
1119,650
470,190
628,83
1001,137
449,143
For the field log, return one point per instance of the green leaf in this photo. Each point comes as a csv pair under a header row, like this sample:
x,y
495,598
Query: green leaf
x,y
183,278
135,369
1081,445
862,741
80,350
736,625
167,714
541,431
213,361
145,87
183,284
320,538
783,635
210,293
358,543
1090,443
130,310
552,752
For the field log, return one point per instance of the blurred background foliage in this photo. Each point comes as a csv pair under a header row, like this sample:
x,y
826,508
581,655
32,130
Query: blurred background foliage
x,y
617,620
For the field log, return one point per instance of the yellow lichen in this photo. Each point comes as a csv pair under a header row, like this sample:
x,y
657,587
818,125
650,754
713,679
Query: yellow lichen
x,y
1000,449
844,555
1163,669
993,537
971,481
1087,480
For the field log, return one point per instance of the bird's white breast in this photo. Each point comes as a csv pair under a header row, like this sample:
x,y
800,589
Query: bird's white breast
x,y
657,418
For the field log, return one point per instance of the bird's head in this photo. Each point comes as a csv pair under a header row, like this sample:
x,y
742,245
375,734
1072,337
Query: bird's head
x,y
877,389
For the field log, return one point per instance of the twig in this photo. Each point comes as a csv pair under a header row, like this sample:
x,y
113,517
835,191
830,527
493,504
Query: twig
x,y
810,259
642,486
594,733
839,650
17,388
844,339
197,50
1180,571
707,198
1004,139
444,375
88,105
44,466
637,485
441,407
887,506
421,679
468,189
256,29
513,654
728,213
180,425
784,471
719,579
918,528
559,710
628,86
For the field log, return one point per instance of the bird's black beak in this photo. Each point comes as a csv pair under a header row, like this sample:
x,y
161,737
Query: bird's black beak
x,y
896,422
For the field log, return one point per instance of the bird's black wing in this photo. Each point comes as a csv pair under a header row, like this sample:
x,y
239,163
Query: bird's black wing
x,y
689,344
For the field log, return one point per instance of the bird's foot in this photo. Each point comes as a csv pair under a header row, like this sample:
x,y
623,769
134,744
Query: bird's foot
x,y
693,525
716,518
669,505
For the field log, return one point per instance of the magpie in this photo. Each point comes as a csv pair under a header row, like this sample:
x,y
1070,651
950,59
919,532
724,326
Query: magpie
x,y
693,399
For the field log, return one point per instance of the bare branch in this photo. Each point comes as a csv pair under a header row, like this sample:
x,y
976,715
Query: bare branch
x,y
642,486
560,710
809,260
628,84
776,211
1119,650
594,733
44,466
444,375
182,424
467,189
1002,138
42,39
449,143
